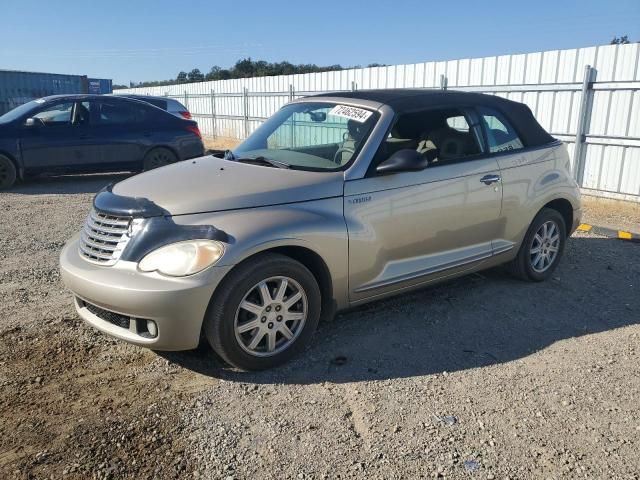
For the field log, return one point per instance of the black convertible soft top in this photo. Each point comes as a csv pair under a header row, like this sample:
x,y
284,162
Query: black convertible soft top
x,y
410,100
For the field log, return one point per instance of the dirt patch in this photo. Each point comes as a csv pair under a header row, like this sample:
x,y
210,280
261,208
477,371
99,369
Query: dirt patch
x,y
219,143
615,214
482,377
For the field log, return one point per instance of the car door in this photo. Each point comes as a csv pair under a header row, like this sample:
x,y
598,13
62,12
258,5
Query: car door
x,y
410,228
120,127
57,139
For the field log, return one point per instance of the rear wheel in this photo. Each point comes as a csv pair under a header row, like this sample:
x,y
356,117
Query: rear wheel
x,y
542,247
7,173
158,157
263,313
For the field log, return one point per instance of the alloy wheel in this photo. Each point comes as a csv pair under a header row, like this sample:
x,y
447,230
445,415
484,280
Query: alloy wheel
x,y
271,316
159,158
545,246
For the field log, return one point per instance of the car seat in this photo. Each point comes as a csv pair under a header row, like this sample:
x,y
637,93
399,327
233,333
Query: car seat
x,y
446,143
350,141
82,115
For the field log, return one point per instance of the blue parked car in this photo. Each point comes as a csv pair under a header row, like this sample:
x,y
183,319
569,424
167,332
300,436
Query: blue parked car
x,y
91,133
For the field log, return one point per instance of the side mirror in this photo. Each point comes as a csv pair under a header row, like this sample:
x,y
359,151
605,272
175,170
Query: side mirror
x,y
318,116
406,160
29,122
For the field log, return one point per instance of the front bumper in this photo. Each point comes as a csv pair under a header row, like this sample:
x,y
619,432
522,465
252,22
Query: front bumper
x,y
176,305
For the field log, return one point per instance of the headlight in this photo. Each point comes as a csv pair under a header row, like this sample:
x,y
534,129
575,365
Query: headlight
x,y
182,258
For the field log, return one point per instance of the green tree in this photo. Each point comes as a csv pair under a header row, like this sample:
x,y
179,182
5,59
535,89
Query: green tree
x,y
195,75
182,77
225,74
214,73
245,68
623,40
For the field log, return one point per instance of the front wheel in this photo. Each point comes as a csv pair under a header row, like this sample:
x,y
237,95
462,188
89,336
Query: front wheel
x,y
7,173
542,247
263,313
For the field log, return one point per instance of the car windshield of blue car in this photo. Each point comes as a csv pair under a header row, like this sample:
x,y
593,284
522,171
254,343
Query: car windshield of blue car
x,y
18,112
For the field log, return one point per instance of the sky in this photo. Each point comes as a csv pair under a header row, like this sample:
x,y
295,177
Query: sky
x,y
139,40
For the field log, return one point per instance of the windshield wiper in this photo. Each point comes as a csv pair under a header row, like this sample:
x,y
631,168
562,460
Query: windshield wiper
x,y
262,160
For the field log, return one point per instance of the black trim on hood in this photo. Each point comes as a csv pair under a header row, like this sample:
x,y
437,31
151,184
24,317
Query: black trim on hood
x,y
112,204
157,232
157,229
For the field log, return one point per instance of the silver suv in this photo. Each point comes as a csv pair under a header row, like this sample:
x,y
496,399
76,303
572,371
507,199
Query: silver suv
x,y
336,200
171,105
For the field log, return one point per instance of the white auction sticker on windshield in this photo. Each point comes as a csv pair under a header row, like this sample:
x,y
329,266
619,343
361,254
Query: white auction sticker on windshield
x,y
353,113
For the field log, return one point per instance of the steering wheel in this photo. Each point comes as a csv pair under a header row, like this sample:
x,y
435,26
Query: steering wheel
x,y
339,151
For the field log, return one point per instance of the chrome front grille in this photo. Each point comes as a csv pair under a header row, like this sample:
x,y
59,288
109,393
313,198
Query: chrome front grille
x,y
104,237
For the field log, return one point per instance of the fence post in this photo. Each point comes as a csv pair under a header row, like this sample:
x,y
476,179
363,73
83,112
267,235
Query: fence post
x,y
186,99
353,85
291,93
245,98
443,81
584,117
213,113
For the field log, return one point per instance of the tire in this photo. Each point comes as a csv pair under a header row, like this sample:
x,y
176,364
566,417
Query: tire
x,y
528,265
158,157
232,330
8,173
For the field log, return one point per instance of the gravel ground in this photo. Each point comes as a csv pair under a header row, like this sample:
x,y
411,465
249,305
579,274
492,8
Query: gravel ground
x,y
612,214
483,377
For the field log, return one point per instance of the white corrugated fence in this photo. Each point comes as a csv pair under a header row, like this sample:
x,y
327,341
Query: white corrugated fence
x,y
587,97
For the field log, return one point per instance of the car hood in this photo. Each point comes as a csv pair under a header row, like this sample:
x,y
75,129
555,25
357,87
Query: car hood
x,y
210,184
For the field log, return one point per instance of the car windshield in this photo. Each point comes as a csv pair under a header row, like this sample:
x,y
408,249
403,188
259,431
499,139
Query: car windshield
x,y
309,136
18,112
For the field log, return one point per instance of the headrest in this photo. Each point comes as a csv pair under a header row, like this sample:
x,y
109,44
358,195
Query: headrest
x,y
356,129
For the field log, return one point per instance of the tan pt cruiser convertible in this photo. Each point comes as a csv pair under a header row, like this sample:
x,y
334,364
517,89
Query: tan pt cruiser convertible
x,y
336,200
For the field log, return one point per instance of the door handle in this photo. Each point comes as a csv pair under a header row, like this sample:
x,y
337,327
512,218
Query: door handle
x,y
489,179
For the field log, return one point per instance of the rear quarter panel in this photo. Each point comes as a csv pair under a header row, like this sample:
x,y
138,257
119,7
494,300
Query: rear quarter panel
x,y
171,133
531,179
188,146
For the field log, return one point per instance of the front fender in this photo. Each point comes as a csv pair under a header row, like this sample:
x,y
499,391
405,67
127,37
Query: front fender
x,y
10,148
317,226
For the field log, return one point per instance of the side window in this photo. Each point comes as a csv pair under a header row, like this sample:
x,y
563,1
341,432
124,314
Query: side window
x,y
501,136
82,114
145,114
58,114
458,123
174,106
117,113
440,136
163,104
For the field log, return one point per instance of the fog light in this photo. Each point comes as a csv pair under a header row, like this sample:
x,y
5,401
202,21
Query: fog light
x,y
152,328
